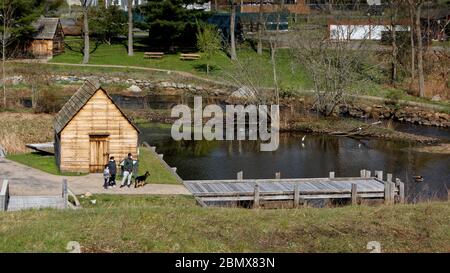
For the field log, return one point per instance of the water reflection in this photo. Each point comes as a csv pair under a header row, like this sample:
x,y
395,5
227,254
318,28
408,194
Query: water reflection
x,y
317,156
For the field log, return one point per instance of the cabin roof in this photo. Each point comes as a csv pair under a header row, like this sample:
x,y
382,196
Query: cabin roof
x,y
76,103
46,28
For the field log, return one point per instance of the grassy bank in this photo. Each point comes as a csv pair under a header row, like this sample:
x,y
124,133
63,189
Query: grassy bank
x,y
18,129
176,224
43,162
338,126
158,173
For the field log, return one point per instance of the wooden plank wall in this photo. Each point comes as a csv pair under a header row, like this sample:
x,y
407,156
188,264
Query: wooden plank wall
x,y
98,116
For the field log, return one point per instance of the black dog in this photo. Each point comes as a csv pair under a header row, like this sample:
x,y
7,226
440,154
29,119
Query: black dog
x,y
140,180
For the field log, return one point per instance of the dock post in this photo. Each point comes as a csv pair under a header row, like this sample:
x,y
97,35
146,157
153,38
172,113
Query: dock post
x,y
278,175
240,175
379,175
389,177
363,173
331,175
354,194
296,196
401,190
368,174
389,191
256,197
65,195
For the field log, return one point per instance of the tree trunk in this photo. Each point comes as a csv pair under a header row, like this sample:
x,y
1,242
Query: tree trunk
x,y
4,73
394,54
413,48
232,28
260,26
4,55
420,52
130,28
86,35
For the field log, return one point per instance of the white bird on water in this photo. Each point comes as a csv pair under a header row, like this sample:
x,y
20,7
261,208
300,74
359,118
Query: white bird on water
x,y
303,138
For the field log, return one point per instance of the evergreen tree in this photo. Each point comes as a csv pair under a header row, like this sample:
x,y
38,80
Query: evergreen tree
x,y
171,24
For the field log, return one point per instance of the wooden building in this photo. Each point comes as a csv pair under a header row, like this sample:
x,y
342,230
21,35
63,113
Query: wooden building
x,y
48,40
90,128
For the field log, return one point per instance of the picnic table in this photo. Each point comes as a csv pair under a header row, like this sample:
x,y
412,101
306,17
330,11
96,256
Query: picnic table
x,y
189,56
153,55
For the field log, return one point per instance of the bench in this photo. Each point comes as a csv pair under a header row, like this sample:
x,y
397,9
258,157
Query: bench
x,y
189,56
153,55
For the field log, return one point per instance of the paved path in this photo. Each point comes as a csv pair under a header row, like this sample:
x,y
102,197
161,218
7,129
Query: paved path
x,y
25,180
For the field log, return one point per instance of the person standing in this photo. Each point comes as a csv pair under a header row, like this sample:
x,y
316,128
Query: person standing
x,y
127,171
106,176
112,166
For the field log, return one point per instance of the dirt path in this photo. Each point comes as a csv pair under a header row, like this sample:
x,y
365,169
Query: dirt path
x,y
25,180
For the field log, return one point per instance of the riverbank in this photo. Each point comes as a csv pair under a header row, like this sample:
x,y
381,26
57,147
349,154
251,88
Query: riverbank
x,y
177,224
349,127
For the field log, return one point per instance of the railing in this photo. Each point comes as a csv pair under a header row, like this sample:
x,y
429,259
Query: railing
x,y
4,196
66,192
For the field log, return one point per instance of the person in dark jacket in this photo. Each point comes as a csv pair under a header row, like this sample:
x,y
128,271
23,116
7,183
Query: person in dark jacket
x,y
112,166
128,166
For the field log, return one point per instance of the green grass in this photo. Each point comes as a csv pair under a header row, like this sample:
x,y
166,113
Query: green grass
x,y
147,162
116,54
45,163
177,224
158,173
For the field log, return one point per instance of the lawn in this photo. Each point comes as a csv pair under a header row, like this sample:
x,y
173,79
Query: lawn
x,y
158,173
43,162
222,67
177,224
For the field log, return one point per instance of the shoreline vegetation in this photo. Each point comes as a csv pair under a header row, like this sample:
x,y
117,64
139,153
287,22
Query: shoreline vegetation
x,y
20,128
177,224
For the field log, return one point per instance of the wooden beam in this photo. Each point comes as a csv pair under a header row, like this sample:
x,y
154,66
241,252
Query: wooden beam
x,y
296,196
256,197
331,175
278,175
389,177
363,173
379,175
354,194
240,175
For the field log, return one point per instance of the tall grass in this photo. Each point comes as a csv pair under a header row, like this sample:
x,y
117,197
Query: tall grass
x,y
19,129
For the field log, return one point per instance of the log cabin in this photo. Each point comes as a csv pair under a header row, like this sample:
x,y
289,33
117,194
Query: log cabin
x,y
90,128
48,40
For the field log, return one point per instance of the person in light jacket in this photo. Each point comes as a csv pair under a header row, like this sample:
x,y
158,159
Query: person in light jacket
x,y
127,171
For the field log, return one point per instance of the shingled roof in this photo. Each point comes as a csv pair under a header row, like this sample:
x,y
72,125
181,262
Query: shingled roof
x,y
46,28
77,101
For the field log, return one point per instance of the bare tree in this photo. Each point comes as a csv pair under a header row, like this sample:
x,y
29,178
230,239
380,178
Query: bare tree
x,y
413,45
233,54
333,65
260,27
416,8
7,18
394,9
85,6
130,28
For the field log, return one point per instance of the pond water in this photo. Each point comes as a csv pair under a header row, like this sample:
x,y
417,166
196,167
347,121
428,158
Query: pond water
x,y
315,158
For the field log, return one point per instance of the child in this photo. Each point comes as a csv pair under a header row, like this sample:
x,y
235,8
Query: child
x,y
106,176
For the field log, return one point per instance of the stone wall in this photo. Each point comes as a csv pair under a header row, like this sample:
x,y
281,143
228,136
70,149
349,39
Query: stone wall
x,y
411,114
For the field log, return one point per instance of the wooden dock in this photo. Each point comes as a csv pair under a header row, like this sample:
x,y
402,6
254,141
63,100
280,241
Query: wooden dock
x,y
298,191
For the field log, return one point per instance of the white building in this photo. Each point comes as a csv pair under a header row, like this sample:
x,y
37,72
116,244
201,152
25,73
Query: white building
x,y
123,4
